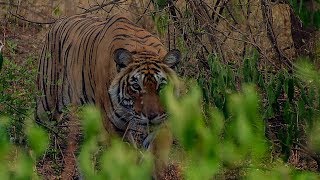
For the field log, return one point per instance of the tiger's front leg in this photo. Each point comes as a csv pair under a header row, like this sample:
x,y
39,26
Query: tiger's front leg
x,y
160,148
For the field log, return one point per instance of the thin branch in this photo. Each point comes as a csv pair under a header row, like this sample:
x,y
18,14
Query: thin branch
x,y
267,17
101,6
144,12
24,19
26,8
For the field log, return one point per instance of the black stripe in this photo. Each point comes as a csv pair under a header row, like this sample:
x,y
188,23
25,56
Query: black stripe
x,y
65,73
93,47
119,28
115,112
116,127
44,73
123,35
86,42
133,27
147,36
117,19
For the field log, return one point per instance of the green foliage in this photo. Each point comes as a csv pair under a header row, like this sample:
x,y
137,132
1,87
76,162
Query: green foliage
x,y
122,162
4,141
202,142
250,69
161,21
213,144
118,161
307,72
287,99
17,87
1,56
314,138
38,139
16,163
160,4
57,11
305,11
221,82
218,144
218,128
181,45
12,46
160,17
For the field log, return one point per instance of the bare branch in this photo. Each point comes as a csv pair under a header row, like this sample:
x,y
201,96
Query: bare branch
x,y
267,17
101,6
145,10
24,19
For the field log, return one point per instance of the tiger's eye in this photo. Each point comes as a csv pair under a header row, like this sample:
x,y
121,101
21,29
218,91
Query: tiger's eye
x,y
135,86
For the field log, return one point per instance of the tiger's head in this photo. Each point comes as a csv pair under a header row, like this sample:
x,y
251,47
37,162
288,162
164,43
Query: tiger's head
x,y
134,92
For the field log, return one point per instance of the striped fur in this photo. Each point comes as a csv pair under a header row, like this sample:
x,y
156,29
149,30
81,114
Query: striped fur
x,y
111,63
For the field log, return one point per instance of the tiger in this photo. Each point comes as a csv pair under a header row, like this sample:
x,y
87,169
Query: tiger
x,y
116,66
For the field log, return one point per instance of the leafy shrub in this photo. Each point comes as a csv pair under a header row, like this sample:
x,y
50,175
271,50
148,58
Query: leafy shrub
x,y
213,145
118,161
220,144
16,162
287,99
218,129
305,10
17,87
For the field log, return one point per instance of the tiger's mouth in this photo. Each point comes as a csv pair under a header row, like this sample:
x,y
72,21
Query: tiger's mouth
x,y
143,120
159,119
142,126
140,133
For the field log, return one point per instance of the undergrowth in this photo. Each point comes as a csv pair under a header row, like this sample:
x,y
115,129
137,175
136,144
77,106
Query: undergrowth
x,y
17,87
218,128
214,144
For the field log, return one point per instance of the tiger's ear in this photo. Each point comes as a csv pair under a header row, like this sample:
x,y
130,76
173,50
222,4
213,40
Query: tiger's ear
x,y
122,57
172,58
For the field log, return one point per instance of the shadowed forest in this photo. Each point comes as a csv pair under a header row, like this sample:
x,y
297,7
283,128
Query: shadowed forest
x,y
249,108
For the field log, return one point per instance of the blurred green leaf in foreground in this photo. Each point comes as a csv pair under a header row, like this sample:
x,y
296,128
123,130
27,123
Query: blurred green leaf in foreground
x,y
19,162
215,145
118,161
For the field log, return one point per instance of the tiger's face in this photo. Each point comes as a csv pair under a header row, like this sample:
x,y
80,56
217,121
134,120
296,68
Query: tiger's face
x,y
134,92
